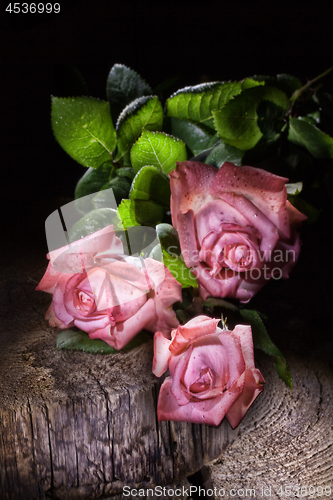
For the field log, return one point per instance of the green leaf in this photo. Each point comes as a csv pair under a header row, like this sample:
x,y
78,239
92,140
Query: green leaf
x,y
286,83
84,129
282,369
224,152
143,113
168,238
157,149
179,271
123,86
77,340
92,222
196,137
120,186
151,184
237,123
197,103
126,214
203,155
127,172
104,177
262,341
303,133
212,302
140,212
249,83
157,253
271,119
91,182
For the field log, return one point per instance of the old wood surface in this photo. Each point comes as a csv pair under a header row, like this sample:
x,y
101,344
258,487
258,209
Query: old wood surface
x,y
285,445
75,425
79,426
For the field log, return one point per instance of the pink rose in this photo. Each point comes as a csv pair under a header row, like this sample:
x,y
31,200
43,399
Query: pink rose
x,y
107,294
212,373
236,227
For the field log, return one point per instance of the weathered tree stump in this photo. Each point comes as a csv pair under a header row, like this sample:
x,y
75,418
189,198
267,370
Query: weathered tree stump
x,y
81,426
285,445
75,425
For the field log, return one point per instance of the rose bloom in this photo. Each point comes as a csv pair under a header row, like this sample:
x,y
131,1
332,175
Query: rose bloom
x,y
237,230
212,373
109,295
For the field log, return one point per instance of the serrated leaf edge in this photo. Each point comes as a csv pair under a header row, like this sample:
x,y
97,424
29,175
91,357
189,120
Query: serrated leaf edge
x,y
132,107
119,65
197,89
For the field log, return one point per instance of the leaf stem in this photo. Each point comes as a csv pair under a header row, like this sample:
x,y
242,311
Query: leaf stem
x,y
305,87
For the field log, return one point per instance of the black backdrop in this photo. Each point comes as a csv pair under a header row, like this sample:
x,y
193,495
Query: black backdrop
x,y
194,40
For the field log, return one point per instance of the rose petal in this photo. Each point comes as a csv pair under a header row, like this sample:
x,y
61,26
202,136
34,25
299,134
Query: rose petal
x,y
228,284
253,386
125,331
198,326
50,279
208,354
244,334
77,256
295,217
187,238
165,294
234,355
265,190
215,213
59,295
161,354
290,250
189,184
257,219
54,321
177,366
209,411
112,285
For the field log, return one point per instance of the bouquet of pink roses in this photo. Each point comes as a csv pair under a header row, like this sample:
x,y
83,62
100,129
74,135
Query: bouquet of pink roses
x,y
156,242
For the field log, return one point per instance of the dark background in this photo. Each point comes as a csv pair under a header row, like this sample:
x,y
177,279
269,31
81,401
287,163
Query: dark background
x,y
194,40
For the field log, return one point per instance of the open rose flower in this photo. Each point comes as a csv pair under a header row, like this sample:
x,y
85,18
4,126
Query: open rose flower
x,y
107,294
237,230
212,373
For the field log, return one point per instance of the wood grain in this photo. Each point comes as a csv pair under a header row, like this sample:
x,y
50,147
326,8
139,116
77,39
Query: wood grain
x,y
75,425
286,438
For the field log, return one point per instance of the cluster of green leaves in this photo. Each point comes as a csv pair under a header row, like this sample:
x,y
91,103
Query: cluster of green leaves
x,y
132,141
122,143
